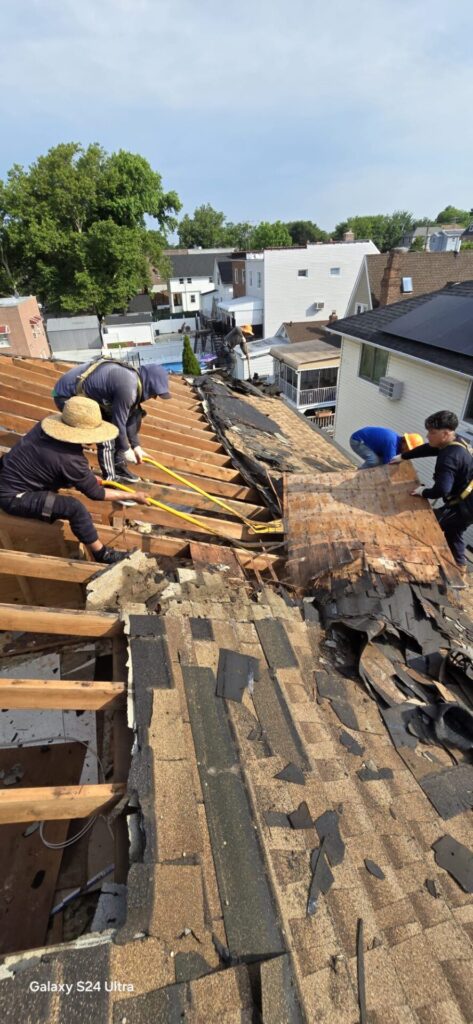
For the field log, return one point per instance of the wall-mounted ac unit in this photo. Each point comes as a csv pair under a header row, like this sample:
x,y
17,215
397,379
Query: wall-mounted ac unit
x,y
391,388
4,329
319,305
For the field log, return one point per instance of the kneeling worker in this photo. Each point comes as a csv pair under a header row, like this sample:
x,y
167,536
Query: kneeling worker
x,y
379,445
453,479
49,457
119,390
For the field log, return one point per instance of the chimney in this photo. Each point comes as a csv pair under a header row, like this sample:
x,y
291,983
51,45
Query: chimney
x,y
348,236
333,316
390,290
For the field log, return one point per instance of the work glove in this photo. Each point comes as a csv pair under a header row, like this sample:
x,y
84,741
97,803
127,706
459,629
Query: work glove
x,y
130,455
139,453
397,458
419,492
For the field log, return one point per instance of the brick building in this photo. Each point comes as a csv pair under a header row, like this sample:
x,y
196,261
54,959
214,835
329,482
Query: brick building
x,y
22,331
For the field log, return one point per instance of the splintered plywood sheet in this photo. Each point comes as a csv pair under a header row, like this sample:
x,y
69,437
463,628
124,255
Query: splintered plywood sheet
x,y
346,522
28,868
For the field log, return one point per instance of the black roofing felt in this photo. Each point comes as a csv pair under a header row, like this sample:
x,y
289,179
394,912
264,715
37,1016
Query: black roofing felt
x,y
373,327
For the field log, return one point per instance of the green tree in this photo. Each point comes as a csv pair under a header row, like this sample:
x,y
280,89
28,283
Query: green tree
x,y
206,228
452,215
190,363
238,235
73,231
418,244
269,236
386,231
302,231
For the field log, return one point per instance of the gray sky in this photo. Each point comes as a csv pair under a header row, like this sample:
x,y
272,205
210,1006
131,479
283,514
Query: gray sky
x,y
268,110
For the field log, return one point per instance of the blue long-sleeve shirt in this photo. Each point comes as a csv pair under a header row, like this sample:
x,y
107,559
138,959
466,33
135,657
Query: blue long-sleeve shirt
x,y
383,441
453,469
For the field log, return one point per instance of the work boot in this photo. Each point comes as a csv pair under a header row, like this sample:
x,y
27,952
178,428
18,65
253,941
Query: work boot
x,y
109,556
125,476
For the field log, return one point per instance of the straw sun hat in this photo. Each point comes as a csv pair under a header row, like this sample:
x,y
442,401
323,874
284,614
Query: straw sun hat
x,y
80,422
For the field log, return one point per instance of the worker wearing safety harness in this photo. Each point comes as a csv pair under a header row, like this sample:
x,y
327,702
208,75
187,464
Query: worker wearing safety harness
x,y
453,479
50,457
119,389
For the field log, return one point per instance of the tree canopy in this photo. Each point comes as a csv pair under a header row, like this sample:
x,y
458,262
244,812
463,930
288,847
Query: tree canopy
x,y
452,215
209,229
73,230
385,230
302,231
267,235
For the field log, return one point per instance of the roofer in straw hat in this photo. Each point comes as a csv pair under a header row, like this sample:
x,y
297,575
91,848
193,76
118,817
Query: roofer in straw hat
x,y
378,445
237,336
50,457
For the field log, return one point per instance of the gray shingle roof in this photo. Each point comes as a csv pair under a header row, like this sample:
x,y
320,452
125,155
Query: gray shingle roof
x,y
195,264
369,327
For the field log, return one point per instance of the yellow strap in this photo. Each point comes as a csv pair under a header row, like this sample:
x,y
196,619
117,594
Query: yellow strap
x,y
275,526
173,511
468,489
110,362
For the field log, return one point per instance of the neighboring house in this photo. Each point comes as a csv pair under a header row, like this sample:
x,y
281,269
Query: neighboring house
x,y
398,275
222,291
436,237
127,329
302,283
192,277
140,304
467,235
261,358
305,330
307,373
22,331
244,310
389,379
74,338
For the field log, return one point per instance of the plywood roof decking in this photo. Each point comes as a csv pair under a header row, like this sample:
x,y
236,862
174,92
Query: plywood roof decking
x,y
352,521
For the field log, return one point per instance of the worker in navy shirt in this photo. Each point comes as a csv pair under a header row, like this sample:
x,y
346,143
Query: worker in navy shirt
x,y
453,479
119,389
379,445
50,457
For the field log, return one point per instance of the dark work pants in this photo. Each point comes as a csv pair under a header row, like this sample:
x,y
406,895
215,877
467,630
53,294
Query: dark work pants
x,y
110,455
454,524
58,506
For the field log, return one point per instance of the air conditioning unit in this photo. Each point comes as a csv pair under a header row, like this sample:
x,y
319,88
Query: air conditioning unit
x,y
319,305
4,329
391,388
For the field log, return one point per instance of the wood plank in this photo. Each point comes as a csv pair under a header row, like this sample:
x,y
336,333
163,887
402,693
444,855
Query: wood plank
x,y
122,538
67,694
24,409
25,618
49,567
11,421
26,905
204,524
54,803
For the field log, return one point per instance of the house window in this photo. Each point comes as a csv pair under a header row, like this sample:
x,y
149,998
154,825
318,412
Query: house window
x,y
189,280
258,279
251,278
236,275
373,363
210,280
361,307
468,414
243,277
302,273
323,378
406,283
177,299
192,298
181,280
334,271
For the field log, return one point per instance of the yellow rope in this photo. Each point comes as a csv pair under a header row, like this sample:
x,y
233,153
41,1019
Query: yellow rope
x,y
275,526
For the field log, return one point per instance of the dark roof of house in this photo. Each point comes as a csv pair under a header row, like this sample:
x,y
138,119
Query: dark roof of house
x,y
195,264
225,270
371,327
128,319
429,271
306,330
140,304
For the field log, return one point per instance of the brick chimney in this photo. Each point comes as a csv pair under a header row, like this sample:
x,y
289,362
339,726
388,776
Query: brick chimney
x,y
348,236
390,289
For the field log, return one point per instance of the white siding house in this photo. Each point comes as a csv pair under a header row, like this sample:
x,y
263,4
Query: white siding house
x,y
309,283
